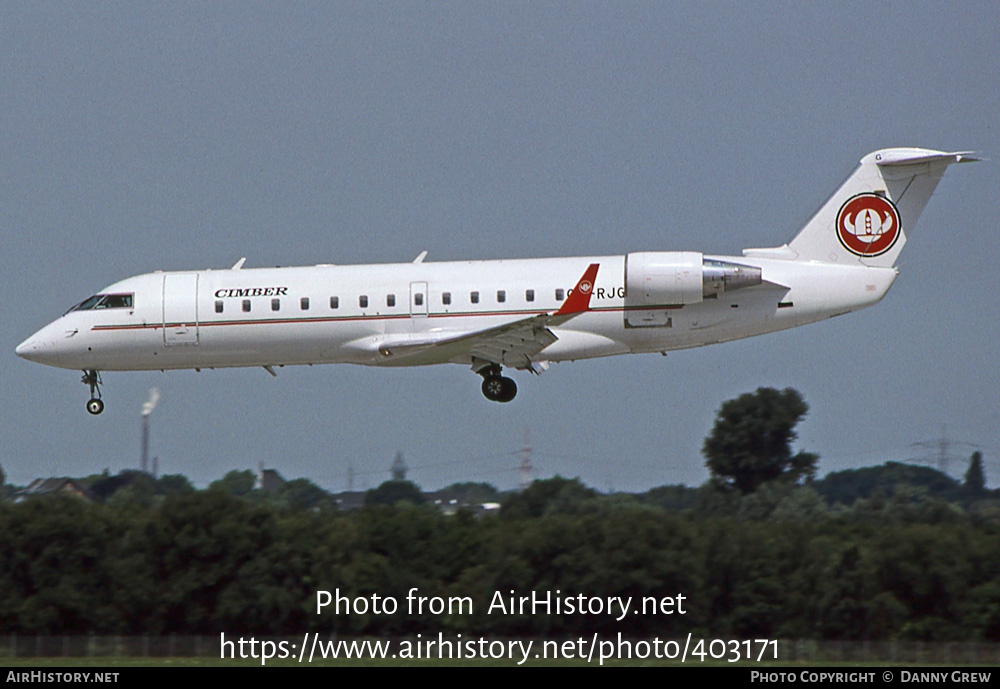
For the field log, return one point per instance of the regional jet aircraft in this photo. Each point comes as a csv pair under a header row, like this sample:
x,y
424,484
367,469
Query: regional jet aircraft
x,y
522,314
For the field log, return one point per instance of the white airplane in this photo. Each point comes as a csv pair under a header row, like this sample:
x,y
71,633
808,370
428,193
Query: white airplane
x,y
521,314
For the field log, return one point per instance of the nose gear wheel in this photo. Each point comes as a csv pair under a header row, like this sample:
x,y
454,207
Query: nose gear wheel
x,y
93,379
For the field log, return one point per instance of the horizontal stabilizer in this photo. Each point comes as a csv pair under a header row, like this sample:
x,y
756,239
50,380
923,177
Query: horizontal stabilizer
x,y
913,156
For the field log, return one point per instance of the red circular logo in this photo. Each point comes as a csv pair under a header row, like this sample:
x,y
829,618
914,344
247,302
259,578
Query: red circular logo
x,y
584,287
868,225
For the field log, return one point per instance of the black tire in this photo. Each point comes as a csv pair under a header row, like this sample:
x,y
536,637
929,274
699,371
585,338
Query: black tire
x,y
95,406
499,389
493,388
509,390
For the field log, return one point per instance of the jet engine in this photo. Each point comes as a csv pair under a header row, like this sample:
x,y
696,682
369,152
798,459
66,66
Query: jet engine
x,y
658,282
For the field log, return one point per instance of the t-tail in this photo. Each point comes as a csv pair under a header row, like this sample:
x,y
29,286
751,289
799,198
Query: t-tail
x,y
868,219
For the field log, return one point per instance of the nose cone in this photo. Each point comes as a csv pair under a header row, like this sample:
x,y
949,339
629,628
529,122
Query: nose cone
x,y
47,346
31,349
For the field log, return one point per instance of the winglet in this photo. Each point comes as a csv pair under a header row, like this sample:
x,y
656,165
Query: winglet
x,y
578,299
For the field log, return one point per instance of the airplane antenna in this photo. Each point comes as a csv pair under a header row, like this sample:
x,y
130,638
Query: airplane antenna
x,y
527,470
147,408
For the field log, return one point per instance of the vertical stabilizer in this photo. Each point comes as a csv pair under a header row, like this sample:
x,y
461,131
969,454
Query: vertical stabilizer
x,y
868,219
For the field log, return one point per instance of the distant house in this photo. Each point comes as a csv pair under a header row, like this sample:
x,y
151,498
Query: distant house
x,y
269,480
350,500
449,502
53,486
444,500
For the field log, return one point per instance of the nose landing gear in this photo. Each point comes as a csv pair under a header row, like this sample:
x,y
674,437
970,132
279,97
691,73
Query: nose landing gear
x,y
93,379
497,388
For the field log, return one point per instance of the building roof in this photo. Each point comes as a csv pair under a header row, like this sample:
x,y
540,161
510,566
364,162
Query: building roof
x,y
53,486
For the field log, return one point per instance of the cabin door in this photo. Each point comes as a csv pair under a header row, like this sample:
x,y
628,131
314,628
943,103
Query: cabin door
x,y
180,309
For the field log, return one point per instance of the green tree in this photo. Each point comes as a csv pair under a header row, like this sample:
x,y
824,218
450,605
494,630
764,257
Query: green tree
x,y
391,492
173,483
237,483
850,485
469,493
556,495
303,494
104,486
750,442
975,479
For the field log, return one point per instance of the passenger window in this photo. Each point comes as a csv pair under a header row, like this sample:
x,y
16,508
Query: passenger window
x,y
334,302
446,298
501,296
275,304
529,295
363,301
246,305
390,300
218,306
474,297
304,303
560,294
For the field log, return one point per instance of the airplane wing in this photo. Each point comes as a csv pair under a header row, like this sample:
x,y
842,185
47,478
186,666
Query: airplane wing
x,y
512,344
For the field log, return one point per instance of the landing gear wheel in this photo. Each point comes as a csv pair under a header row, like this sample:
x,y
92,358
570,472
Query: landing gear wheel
x,y
499,389
93,379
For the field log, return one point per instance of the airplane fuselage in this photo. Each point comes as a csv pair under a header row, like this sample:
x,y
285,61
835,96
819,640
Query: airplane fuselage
x,y
342,314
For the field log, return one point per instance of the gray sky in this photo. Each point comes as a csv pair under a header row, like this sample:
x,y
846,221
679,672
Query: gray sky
x,y
144,136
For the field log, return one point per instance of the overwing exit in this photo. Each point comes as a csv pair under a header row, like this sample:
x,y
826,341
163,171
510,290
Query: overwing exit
x,y
522,314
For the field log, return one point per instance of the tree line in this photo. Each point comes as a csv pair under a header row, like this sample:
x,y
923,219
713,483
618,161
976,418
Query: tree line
x,y
892,552
208,561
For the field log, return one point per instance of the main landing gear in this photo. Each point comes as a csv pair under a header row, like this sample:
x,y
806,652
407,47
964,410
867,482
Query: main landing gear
x,y
93,379
497,388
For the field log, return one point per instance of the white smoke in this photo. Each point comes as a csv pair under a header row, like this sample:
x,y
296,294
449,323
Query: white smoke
x,y
149,405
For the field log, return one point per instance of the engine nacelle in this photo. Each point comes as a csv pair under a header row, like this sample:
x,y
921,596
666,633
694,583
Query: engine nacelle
x,y
659,282
663,278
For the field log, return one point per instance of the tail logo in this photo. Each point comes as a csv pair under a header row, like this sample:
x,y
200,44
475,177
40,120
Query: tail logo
x,y
868,225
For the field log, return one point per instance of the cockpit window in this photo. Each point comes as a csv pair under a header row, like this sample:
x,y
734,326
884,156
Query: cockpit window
x,y
86,304
104,301
115,301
